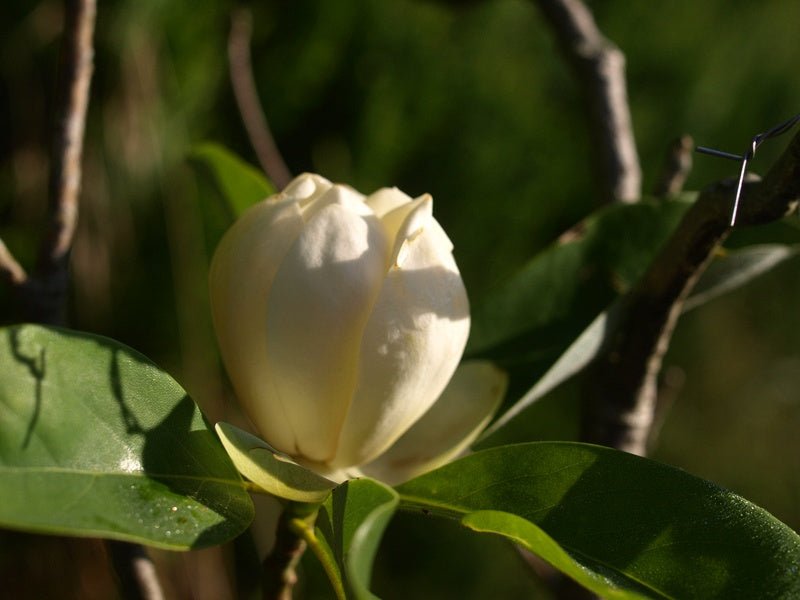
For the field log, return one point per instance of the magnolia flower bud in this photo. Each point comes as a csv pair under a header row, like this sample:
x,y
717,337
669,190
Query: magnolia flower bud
x,y
340,318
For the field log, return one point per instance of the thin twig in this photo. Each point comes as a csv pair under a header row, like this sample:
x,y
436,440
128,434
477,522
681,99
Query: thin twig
x,y
600,68
10,270
620,386
244,89
676,167
65,174
43,295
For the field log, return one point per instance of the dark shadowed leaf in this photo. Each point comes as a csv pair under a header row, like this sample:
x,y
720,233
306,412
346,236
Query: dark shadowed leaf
x,y
726,273
737,267
95,440
579,354
634,524
540,310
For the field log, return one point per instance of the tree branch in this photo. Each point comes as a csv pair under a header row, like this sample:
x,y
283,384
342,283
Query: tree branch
x,y
65,173
620,385
10,270
244,89
676,167
43,295
600,68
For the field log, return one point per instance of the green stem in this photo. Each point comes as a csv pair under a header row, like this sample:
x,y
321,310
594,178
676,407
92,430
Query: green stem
x,y
304,528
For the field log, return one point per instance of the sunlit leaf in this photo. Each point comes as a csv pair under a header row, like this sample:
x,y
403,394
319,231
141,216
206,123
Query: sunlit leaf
x,y
95,440
273,472
635,524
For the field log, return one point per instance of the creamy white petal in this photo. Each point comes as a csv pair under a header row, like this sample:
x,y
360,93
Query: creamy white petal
x,y
443,241
340,194
319,305
305,188
386,200
240,279
456,419
411,346
340,318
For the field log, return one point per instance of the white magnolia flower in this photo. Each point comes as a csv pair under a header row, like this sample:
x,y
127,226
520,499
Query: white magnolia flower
x,y
341,319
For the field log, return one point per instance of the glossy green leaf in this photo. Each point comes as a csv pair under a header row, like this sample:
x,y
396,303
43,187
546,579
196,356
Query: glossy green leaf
x,y
641,526
240,184
270,470
349,527
95,440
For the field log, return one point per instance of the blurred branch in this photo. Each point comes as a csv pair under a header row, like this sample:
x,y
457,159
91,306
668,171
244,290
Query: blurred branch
x,y
137,575
65,173
620,386
670,385
600,68
676,167
10,270
44,293
244,89
279,574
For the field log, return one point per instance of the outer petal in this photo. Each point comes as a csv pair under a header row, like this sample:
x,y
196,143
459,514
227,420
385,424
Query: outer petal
x,y
411,346
462,411
305,189
320,301
386,200
321,193
240,278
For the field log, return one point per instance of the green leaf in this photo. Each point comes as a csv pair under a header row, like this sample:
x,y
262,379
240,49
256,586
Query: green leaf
x,y
349,527
540,310
579,354
526,534
241,184
726,273
270,470
735,268
641,526
95,440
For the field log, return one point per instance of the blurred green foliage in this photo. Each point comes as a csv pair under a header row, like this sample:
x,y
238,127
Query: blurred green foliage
x,y
469,101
